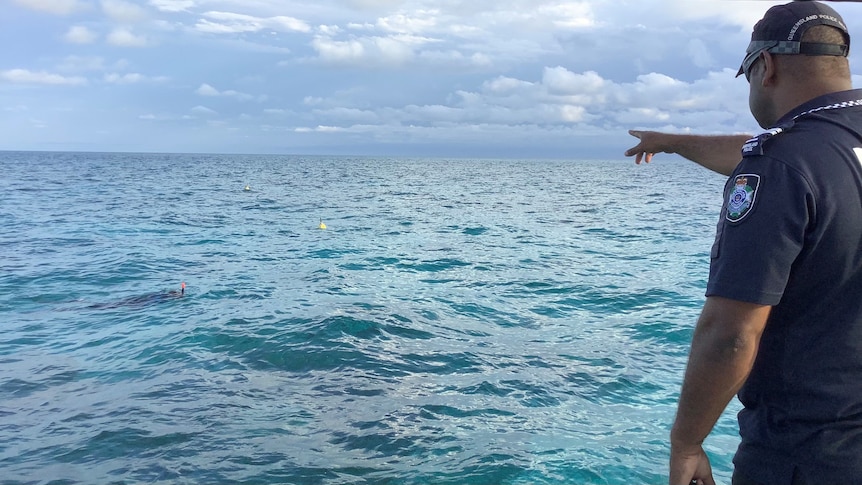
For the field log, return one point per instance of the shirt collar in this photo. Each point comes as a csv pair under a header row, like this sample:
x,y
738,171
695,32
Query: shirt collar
x,y
820,102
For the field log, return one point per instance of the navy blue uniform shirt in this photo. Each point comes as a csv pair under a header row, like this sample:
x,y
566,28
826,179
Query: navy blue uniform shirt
x,y
790,236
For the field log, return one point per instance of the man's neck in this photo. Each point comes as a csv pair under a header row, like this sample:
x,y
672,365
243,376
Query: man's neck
x,y
797,94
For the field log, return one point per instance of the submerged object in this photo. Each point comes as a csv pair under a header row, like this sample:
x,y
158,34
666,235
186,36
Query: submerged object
x,y
140,301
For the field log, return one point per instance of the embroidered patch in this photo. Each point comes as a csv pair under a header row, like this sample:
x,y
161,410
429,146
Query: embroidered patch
x,y
742,196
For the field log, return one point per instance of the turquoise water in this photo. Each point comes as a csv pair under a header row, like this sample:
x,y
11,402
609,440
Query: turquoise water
x,y
458,321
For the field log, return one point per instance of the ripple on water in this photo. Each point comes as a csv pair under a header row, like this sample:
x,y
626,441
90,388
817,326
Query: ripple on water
x,y
453,325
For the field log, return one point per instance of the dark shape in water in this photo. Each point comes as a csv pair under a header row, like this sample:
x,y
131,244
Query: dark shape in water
x,y
142,300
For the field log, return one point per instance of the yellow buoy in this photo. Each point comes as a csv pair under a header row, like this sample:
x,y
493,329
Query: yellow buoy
x,y
321,225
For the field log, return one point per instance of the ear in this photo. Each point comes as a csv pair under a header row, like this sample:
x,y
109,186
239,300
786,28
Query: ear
x,y
770,71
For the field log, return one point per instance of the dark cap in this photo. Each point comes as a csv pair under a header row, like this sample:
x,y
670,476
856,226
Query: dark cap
x,y
782,27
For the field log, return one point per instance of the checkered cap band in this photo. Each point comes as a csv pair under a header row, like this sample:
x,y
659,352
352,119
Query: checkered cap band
x,y
786,47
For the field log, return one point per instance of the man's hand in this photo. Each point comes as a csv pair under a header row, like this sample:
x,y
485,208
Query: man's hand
x,y
689,464
719,153
651,142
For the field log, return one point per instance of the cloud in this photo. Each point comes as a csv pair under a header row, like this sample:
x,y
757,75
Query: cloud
x,y
207,90
699,54
369,52
132,78
463,36
24,76
503,85
173,5
559,80
744,14
203,110
559,100
82,63
421,21
123,12
455,59
374,4
569,15
395,70
56,7
123,37
366,51
321,129
78,34
234,23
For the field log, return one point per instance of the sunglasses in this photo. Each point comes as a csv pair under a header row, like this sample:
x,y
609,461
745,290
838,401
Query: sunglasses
x,y
751,57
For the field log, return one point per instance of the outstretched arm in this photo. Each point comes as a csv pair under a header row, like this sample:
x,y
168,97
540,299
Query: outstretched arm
x,y
722,354
719,153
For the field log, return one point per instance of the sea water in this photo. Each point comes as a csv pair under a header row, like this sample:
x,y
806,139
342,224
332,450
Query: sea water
x,y
457,321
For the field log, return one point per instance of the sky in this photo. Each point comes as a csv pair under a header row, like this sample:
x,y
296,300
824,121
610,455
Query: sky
x,y
452,78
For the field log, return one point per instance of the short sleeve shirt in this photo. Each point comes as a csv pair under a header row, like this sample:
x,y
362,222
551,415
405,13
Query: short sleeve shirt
x,y
790,236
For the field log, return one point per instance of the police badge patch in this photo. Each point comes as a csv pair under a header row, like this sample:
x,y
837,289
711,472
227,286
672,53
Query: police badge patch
x,y
742,196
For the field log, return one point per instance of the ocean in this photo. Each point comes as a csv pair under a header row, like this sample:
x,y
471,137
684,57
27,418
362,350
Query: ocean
x,y
458,321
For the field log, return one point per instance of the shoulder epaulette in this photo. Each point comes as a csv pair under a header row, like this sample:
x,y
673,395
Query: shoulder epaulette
x,y
754,146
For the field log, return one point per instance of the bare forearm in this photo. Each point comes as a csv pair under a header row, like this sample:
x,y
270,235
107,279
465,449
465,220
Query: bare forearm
x,y
716,371
720,153
722,354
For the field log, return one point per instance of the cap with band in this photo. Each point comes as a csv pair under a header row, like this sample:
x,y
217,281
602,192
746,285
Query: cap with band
x,y
781,29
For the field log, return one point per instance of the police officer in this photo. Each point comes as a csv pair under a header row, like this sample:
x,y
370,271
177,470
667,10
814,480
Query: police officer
x,y
782,322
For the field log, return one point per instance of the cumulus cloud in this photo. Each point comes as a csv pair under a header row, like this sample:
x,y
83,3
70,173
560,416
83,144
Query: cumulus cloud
x,y
207,90
365,52
743,14
415,23
235,23
466,35
413,69
560,80
503,85
376,51
569,15
123,12
455,59
123,37
558,100
24,76
78,34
